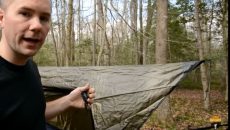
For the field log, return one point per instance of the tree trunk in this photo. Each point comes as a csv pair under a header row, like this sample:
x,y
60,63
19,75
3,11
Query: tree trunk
x,y
225,42
161,31
55,45
94,34
140,52
63,35
123,24
79,21
57,39
101,31
69,33
61,31
147,30
203,69
72,42
163,112
105,45
133,14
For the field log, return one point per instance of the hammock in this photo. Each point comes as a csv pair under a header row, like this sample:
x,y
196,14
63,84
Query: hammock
x,y
125,95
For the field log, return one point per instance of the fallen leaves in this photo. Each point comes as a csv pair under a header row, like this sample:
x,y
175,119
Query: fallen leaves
x,y
188,109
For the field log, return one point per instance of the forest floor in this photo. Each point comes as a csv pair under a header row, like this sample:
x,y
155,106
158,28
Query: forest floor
x,y
187,109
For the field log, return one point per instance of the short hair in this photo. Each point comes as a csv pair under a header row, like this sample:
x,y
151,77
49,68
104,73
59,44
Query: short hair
x,y
2,2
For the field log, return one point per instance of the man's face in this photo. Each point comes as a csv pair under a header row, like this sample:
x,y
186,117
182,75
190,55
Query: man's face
x,y
25,24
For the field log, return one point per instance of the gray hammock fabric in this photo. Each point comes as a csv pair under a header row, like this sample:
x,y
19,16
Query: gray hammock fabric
x,y
125,95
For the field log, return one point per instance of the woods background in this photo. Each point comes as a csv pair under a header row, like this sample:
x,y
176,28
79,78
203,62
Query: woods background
x,y
139,32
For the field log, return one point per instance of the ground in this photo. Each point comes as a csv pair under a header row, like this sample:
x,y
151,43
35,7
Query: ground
x,y
187,109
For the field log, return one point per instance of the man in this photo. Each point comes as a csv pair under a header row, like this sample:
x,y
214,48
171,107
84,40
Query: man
x,y
24,25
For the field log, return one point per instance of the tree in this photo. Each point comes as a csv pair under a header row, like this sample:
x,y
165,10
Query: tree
x,y
63,33
140,52
163,112
181,46
94,34
147,30
69,40
105,45
58,32
55,46
134,38
203,69
225,41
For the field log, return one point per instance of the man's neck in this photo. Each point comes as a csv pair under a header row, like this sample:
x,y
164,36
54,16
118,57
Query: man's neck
x,y
11,57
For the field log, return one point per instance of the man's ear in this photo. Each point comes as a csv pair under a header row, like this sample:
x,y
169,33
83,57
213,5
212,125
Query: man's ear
x,y
1,18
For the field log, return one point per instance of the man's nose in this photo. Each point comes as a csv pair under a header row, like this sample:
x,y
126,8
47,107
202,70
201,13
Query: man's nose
x,y
36,24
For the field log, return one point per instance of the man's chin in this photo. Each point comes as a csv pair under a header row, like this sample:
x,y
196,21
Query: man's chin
x,y
28,54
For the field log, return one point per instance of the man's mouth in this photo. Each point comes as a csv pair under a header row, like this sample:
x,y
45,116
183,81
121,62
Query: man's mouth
x,y
31,40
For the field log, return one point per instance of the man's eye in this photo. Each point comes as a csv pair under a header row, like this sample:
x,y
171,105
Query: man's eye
x,y
25,14
45,19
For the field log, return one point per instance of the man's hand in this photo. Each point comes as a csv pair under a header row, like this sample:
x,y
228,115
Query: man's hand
x,y
76,99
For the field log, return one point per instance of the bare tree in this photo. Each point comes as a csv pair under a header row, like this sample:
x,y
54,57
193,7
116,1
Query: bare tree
x,y
203,69
147,30
94,34
140,52
79,21
69,34
225,41
123,24
163,112
58,32
100,30
55,45
63,33
134,38
105,45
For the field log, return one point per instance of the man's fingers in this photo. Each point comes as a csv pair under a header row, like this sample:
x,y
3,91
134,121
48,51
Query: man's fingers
x,y
85,88
91,90
90,100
